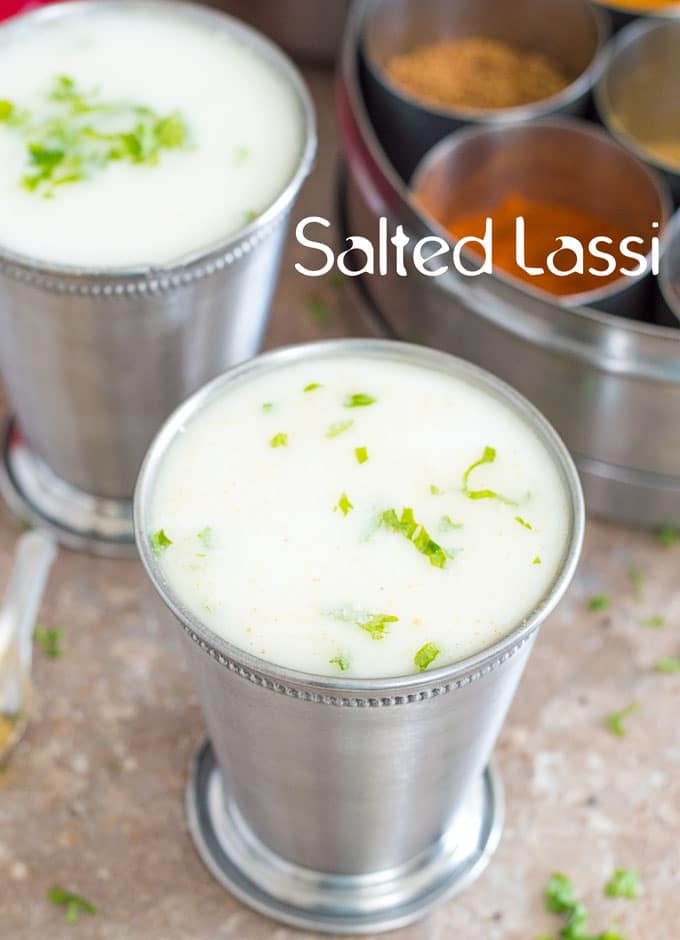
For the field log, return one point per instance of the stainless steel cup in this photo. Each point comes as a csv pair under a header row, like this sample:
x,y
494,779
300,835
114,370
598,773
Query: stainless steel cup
x,y
95,360
623,14
570,32
556,160
669,277
637,96
349,805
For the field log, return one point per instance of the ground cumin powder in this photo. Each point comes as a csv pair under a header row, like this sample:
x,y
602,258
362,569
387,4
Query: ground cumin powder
x,y
476,73
544,223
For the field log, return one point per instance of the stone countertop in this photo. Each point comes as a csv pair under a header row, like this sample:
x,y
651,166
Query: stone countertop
x,y
93,798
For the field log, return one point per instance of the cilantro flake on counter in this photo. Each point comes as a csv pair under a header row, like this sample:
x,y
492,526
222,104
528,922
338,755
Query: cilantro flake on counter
x,y
656,622
416,533
637,578
343,504
668,535
599,602
489,456
159,542
361,453
425,656
560,899
339,428
624,883
279,440
358,400
669,664
74,904
616,721
50,640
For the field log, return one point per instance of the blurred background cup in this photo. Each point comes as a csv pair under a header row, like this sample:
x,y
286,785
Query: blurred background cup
x,y
95,360
569,33
349,805
623,12
669,278
473,170
638,96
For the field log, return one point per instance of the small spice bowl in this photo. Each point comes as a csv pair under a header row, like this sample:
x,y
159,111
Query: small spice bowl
x,y
638,95
556,162
568,36
623,12
669,277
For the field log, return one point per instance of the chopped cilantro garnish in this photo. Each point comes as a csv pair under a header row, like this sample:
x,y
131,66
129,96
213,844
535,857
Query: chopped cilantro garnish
x,y
50,640
279,440
241,155
250,215
339,428
206,537
560,899
358,400
77,135
655,622
615,721
417,534
361,453
435,490
73,903
523,522
425,656
375,624
559,894
599,602
624,883
318,310
343,505
637,579
159,542
668,535
489,456
669,665
267,406
447,524
312,387
341,662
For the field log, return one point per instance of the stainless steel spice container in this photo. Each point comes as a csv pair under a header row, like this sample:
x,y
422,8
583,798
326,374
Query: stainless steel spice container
x,y
638,94
611,386
95,360
570,33
346,805
471,172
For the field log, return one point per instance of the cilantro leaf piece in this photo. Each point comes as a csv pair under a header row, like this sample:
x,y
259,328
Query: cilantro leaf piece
x,y
374,624
341,662
339,428
615,721
536,561
159,542
318,310
312,387
336,279
358,400
435,490
447,524
250,215
267,406
668,535
206,536
425,656
523,522
279,440
624,883
489,456
599,602
6,109
416,533
656,622
361,453
241,155
637,578
343,504
669,664
50,640
73,903
559,894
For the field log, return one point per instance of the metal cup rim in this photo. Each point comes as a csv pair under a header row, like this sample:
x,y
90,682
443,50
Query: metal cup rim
x,y
670,293
261,45
253,666
633,9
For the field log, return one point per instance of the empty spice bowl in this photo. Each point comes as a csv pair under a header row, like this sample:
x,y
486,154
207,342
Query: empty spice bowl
x,y
432,65
100,340
638,96
566,178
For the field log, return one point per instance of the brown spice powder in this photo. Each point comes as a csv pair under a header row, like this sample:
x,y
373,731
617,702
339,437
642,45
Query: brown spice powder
x,y
476,73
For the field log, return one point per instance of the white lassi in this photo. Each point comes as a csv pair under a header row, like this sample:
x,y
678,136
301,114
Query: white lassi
x,y
137,135
357,517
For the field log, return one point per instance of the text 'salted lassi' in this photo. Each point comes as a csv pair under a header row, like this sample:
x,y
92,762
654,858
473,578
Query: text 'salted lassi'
x,y
137,135
359,517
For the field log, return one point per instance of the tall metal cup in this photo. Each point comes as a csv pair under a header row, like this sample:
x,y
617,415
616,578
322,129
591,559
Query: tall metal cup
x,y
349,805
95,360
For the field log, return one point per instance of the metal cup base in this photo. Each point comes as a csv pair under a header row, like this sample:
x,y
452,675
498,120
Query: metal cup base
x,y
339,904
76,519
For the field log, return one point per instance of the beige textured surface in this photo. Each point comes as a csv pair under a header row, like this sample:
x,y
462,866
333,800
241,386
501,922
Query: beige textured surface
x,y
94,796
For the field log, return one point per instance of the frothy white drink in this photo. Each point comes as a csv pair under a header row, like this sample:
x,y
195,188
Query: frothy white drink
x,y
359,517
168,136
